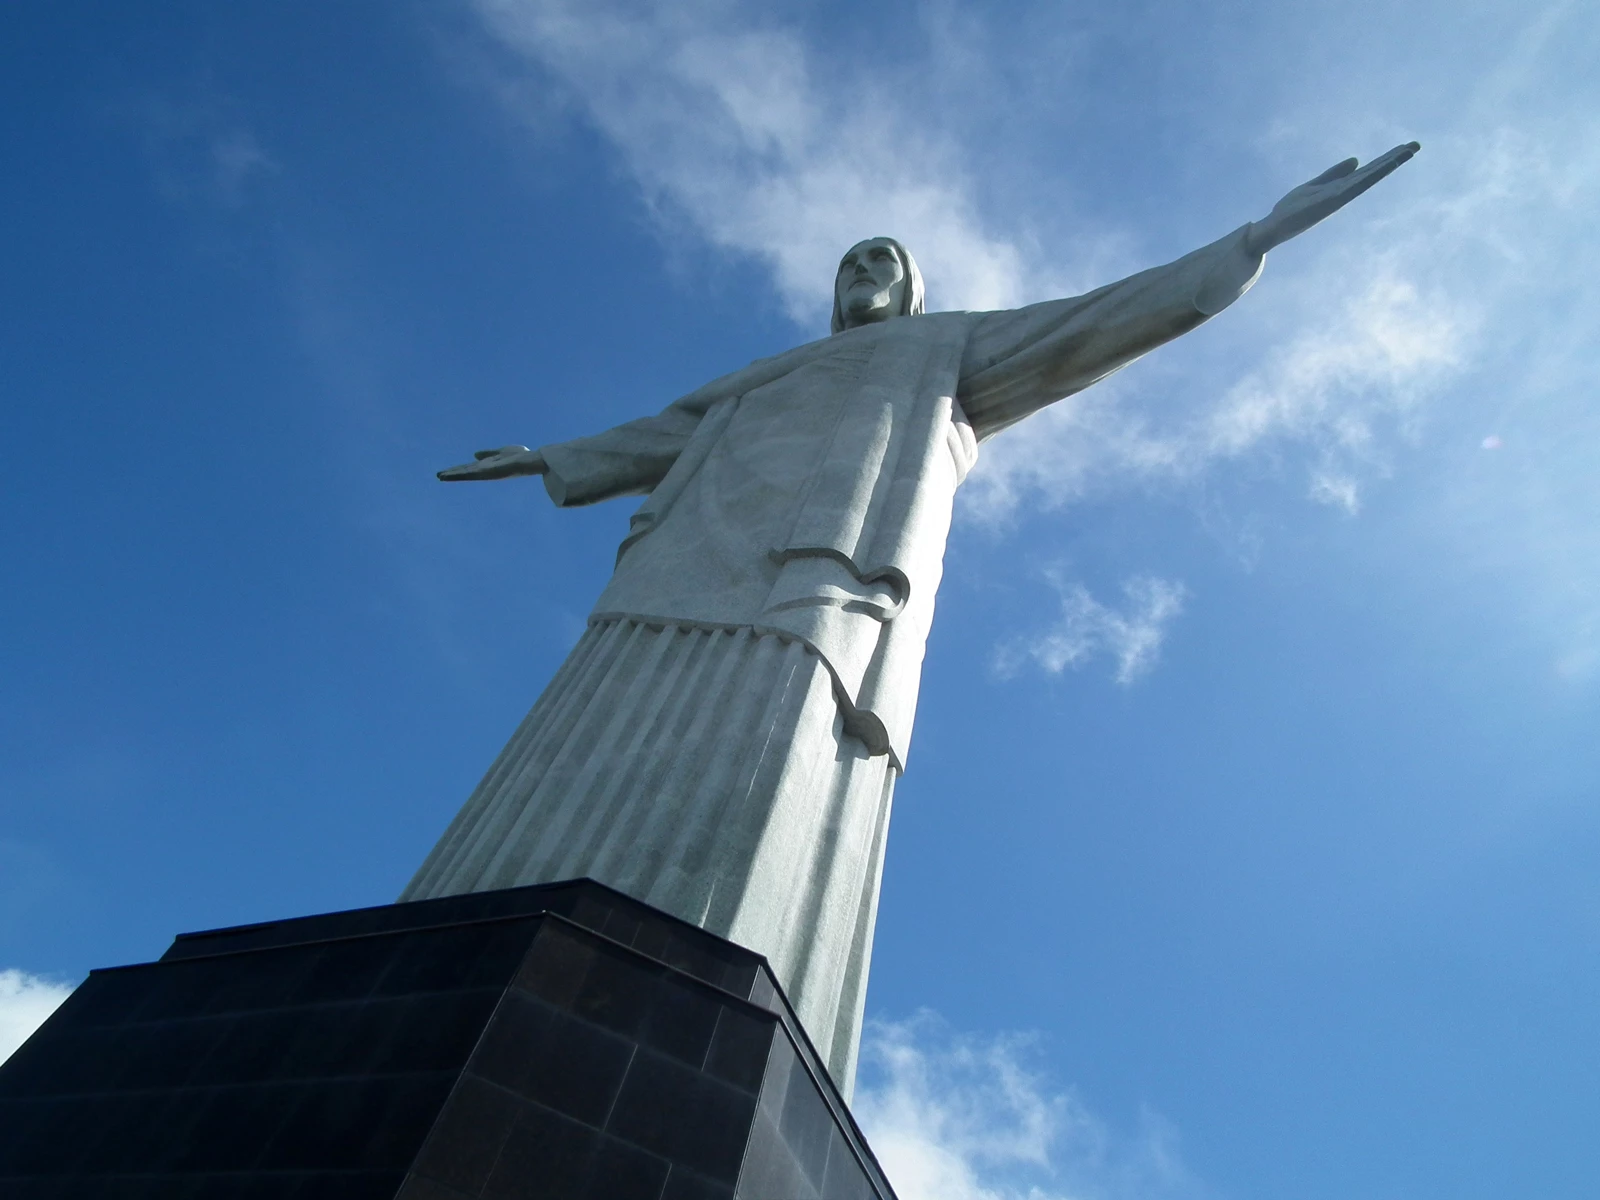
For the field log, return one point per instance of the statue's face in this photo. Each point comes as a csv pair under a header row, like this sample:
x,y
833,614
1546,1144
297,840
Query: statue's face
x,y
871,283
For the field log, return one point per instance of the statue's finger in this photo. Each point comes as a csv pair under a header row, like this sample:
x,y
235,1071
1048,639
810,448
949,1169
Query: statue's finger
x,y
1383,165
1338,171
483,454
1397,157
1369,175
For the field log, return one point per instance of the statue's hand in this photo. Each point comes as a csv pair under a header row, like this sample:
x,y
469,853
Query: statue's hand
x,y
1327,193
498,464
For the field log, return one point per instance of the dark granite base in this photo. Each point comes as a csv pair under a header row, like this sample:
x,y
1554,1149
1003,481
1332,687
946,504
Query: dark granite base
x,y
557,1041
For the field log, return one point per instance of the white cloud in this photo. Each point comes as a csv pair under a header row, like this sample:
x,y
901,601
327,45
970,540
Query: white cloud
x,y
730,126
739,133
1355,365
741,136
25,1001
1458,294
1336,491
1086,628
960,1117
1329,383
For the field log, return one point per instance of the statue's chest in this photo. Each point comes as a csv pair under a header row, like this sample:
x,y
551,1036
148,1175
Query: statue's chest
x,y
781,431
825,431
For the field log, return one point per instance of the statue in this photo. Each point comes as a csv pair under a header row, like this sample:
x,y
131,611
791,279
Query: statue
x,y
724,740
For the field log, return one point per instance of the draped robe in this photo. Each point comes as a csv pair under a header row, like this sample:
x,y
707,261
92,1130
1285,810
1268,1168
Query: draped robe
x,y
724,740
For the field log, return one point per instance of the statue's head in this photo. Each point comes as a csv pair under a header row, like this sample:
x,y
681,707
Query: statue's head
x,y
877,279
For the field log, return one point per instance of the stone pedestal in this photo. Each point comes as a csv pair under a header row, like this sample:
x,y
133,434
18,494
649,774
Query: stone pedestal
x,y
557,1041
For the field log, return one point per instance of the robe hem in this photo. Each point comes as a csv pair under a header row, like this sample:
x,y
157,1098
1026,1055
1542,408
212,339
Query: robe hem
x,y
862,724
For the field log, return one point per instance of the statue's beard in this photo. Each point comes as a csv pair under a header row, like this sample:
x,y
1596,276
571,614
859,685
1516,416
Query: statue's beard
x,y
864,306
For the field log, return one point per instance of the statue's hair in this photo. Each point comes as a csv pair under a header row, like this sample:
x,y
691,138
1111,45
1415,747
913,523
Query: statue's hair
x,y
913,294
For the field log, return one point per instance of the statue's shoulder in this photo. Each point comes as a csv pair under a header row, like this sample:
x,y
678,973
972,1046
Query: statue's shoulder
x,y
928,329
923,327
942,325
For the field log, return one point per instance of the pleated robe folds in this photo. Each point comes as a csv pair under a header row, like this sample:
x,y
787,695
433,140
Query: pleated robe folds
x,y
724,740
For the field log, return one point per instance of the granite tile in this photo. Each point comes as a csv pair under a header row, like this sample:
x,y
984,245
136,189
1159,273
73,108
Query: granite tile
x,y
683,1115
430,961
845,1179
165,1054
417,1187
684,1184
505,946
740,1047
556,965
617,992
465,1142
624,1172
805,1125
503,1053
576,1069
769,1170
437,1031
545,1157
681,1020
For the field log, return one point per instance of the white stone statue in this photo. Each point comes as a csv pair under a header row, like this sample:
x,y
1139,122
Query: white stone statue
x,y
724,740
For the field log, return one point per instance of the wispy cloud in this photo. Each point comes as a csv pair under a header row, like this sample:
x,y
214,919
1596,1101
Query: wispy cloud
x,y
1328,382
1452,301
199,148
25,1001
953,1116
733,130
1086,628
1355,370
741,136
236,156
1335,490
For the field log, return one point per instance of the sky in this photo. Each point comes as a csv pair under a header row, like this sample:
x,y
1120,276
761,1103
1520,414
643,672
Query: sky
x,y
1248,843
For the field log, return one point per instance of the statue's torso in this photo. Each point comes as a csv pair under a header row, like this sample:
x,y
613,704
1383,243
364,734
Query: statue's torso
x,y
820,507
711,558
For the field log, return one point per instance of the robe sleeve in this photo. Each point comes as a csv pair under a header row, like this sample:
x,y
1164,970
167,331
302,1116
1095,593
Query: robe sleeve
x,y
625,461
1018,361
632,458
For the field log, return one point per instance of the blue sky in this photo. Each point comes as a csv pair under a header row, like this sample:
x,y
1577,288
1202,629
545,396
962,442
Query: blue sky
x,y
1248,844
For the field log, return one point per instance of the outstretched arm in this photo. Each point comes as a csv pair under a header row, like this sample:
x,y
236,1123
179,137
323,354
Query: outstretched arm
x,y
630,459
633,457
497,464
1020,360
627,460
